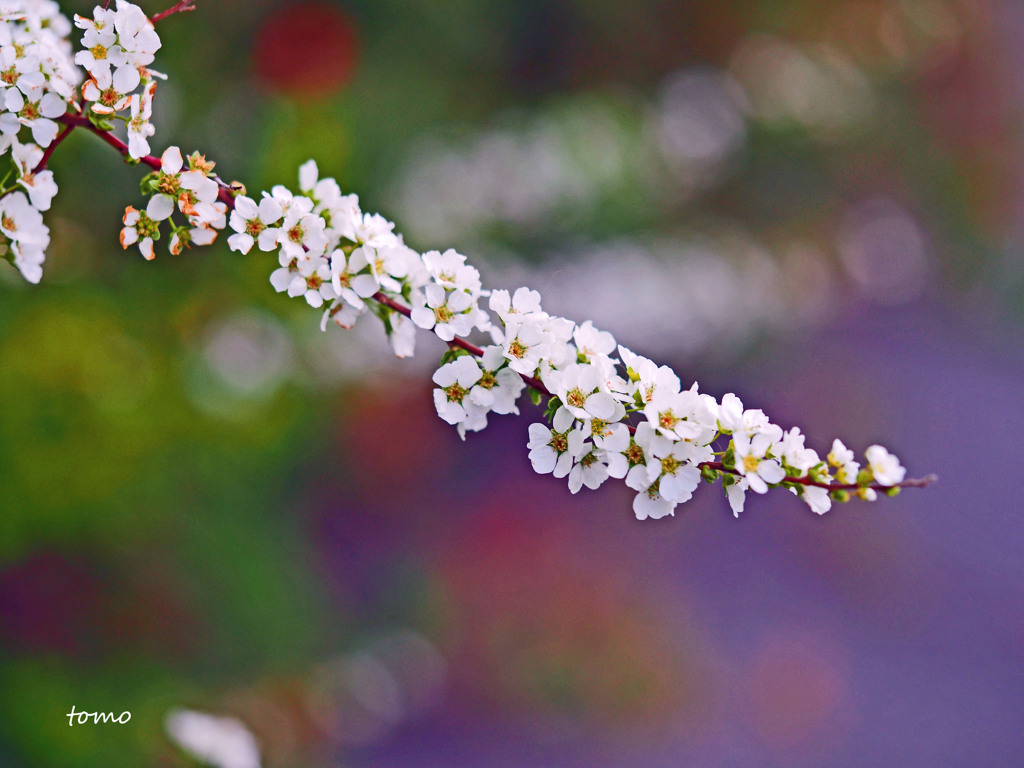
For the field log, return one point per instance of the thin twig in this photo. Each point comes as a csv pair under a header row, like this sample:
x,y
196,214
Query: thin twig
x,y
181,7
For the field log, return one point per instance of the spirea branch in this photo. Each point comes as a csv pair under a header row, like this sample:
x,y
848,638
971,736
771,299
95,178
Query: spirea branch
x,y
610,413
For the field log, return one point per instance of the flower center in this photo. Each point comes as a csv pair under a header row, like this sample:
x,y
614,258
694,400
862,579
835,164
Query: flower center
x,y
667,420
442,314
296,233
750,464
487,380
634,455
517,349
576,398
253,227
98,52
455,393
169,184
145,226
109,97
559,442
670,464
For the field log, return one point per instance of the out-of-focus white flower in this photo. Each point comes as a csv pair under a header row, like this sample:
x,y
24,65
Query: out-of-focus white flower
x,y
223,742
885,467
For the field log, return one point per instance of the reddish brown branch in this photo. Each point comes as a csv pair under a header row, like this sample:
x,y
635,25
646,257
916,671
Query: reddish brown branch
x,y
181,7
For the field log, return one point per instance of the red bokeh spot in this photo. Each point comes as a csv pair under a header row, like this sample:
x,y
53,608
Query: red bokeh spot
x,y
306,50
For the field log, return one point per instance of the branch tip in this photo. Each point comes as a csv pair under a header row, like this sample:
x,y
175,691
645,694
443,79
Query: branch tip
x,y
180,7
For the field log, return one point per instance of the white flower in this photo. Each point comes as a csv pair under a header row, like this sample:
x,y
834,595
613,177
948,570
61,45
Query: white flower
x,y
135,33
390,264
344,315
524,345
452,401
752,464
650,504
609,434
795,455
650,379
23,231
736,493
312,280
450,270
639,455
818,499
161,205
522,302
302,233
33,108
671,414
40,186
590,469
578,387
592,342
187,237
555,449
499,386
101,50
402,335
374,230
344,214
446,313
222,742
141,228
198,194
351,278
841,458
139,127
109,91
730,414
253,224
678,477
885,467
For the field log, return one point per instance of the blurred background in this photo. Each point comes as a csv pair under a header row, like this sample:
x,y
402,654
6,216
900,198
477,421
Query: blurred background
x,y
205,502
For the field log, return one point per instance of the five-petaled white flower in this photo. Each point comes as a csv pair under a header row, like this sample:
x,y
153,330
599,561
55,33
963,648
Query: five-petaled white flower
x,y
752,462
253,224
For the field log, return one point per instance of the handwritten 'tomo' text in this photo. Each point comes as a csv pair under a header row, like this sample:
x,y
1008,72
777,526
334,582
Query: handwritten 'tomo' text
x,y
97,717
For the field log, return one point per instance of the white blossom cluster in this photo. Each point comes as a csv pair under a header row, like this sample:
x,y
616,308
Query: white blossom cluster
x,y
610,414
119,46
333,254
37,79
193,191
